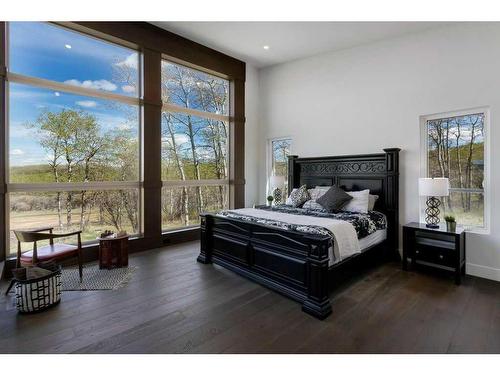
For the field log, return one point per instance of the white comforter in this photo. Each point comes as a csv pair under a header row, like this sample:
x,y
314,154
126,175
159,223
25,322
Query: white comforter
x,y
346,241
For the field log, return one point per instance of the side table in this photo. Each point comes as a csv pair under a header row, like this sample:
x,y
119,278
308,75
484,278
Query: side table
x,y
113,252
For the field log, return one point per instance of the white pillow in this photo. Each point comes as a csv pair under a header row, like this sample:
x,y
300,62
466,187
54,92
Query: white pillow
x,y
359,201
371,201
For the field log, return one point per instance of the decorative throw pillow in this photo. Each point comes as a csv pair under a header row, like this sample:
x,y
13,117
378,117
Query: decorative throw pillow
x,y
318,191
313,205
334,199
371,201
288,201
299,196
359,202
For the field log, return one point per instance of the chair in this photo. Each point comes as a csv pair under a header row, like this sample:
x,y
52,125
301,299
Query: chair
x,y
57,252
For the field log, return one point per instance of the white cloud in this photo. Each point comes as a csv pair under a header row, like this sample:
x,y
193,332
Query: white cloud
x,y
86,103
124,127
17,151
57,94
128,88
132,61
100,84
180,139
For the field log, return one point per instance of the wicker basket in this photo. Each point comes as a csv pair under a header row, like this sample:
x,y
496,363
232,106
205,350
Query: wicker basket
x,y
38,294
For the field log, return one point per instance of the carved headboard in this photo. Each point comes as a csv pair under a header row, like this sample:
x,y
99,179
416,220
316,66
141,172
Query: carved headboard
x,y
377,172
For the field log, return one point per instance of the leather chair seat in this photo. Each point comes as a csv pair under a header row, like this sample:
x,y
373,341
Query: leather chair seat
x,y
57,251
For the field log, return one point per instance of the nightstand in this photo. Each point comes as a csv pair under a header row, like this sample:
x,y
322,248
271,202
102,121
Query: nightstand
x,y
436,248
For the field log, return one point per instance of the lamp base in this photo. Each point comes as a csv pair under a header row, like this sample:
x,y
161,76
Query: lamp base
x,y
278,195
432,212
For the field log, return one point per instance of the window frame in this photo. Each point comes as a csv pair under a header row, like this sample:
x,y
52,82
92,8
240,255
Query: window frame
x,y
269,159
91,93
173,108
153,43
424,148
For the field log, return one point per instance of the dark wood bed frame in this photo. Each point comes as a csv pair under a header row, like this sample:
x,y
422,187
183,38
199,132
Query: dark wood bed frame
x,y
296,263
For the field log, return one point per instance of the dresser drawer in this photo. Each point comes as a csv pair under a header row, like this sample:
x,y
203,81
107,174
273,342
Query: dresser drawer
x,y
441,256
435,239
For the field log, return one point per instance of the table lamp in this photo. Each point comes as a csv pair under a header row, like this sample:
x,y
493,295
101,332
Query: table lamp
x,y
432,188
276,183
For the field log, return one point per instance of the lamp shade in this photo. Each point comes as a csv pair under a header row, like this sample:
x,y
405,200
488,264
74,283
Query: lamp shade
x,y
434,187
276,181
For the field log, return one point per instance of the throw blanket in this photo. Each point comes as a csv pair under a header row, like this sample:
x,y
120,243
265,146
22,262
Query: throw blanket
x,y
364,224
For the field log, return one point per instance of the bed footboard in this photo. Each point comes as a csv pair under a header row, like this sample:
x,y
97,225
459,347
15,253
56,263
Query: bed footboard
x,y
294,264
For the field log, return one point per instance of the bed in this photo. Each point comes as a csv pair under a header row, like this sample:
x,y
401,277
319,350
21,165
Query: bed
x,y
300,262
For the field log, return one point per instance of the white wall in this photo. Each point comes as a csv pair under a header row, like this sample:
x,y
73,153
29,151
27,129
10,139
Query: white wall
x,y
252,135
370,97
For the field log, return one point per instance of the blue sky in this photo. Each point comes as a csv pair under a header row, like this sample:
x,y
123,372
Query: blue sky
x,y
45,51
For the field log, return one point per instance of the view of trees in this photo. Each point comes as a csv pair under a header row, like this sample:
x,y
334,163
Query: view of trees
x,y
79,151
57,138
193,147
456,151
280,151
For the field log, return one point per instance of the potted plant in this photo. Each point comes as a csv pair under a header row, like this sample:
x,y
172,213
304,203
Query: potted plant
x,y
451,224
270,199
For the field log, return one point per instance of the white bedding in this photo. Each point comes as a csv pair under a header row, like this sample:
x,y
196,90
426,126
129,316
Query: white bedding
x,y
346,241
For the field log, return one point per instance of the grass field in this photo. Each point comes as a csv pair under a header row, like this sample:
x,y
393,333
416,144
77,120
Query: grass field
x,y
36,219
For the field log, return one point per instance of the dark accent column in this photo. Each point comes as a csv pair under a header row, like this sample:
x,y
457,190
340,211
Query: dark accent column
x,y
152,147
317,303
206,239
237,144
392,199
3,71
291,172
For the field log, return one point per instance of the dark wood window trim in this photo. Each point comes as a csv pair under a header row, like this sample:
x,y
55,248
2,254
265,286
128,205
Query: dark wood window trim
x,y
3,118
154,43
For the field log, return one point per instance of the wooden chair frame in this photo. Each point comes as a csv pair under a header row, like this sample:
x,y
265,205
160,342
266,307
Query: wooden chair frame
x,y
36,235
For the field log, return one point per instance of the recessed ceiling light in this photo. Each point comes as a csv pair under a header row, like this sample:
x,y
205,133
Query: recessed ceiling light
x,y
265,47
68,46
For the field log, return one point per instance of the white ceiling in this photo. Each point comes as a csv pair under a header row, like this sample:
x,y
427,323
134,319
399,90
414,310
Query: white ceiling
x,y
289,40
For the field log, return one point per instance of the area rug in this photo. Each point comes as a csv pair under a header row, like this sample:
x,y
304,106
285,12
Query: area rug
x,y
95,278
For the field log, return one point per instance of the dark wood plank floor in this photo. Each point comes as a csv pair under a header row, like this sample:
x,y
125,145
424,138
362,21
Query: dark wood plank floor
x,y
175,305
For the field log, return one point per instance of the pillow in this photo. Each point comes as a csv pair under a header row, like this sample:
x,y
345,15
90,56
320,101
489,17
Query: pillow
x,y
371,201
288,201
359,202
334,199
299,196
313,205
318,191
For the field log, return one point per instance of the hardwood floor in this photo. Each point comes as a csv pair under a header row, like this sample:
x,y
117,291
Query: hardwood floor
x,y
175,305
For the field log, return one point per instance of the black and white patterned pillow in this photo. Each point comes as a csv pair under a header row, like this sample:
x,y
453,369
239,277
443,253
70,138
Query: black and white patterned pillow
x,y
299,196
312,205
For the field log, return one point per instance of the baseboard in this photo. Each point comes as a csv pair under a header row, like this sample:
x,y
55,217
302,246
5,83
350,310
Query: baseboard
x,y
483,271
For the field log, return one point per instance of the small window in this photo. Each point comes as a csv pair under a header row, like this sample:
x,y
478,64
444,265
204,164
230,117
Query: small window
x,y
279,152
455,148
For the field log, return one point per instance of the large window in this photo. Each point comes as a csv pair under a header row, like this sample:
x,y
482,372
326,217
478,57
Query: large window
x,y
195,135
279,150
73,132
455,148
